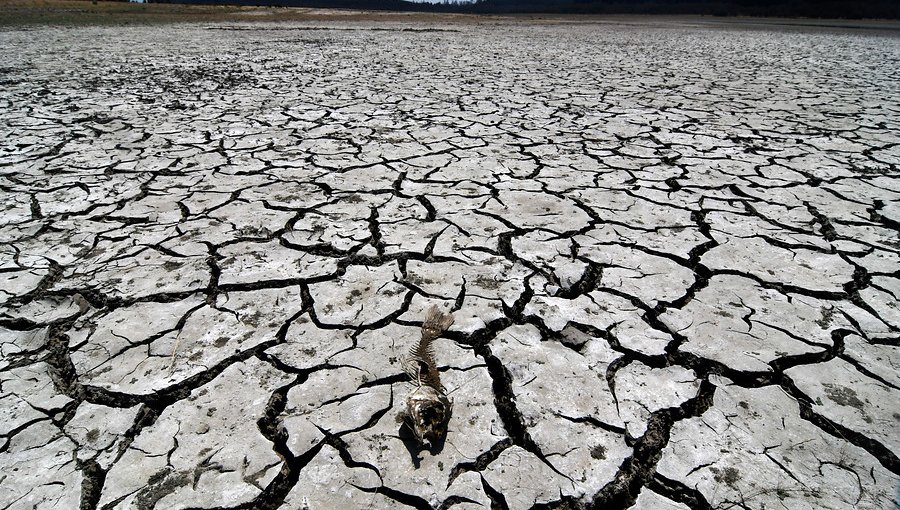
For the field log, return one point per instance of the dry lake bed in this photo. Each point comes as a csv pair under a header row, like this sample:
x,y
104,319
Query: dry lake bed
x,y
671,250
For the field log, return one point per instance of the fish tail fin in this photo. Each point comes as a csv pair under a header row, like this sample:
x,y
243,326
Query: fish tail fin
x,y
436,322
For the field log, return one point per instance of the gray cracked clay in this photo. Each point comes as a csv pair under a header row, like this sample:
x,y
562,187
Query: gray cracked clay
x,y
670,249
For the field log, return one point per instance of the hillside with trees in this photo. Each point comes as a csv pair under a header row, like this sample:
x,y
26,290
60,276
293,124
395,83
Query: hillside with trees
x,y
885,9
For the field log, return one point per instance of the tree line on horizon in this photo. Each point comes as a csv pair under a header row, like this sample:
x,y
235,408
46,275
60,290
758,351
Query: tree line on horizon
x,y
846,9
768,8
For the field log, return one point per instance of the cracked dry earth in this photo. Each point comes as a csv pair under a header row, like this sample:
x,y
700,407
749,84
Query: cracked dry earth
x,y
671,251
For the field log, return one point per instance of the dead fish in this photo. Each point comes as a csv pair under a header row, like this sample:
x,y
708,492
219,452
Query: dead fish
x,y
428,408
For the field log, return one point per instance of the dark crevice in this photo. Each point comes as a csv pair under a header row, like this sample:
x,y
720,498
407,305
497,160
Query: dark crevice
x,y
402,498
93,478
498,501
885,456
677,491
640,467
480,462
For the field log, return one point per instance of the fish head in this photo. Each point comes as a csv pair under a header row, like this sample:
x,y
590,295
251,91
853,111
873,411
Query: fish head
x,y
429,415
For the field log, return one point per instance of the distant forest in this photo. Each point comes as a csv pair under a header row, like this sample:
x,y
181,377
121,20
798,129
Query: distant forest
x,y
858,9
781,8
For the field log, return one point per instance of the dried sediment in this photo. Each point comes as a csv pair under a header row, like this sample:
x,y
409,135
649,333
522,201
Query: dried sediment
x,y
670,252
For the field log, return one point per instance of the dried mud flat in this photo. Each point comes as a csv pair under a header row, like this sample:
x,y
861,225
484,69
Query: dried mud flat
x,y
671,251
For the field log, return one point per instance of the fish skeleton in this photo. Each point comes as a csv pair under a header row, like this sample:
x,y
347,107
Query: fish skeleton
x,y
428,408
